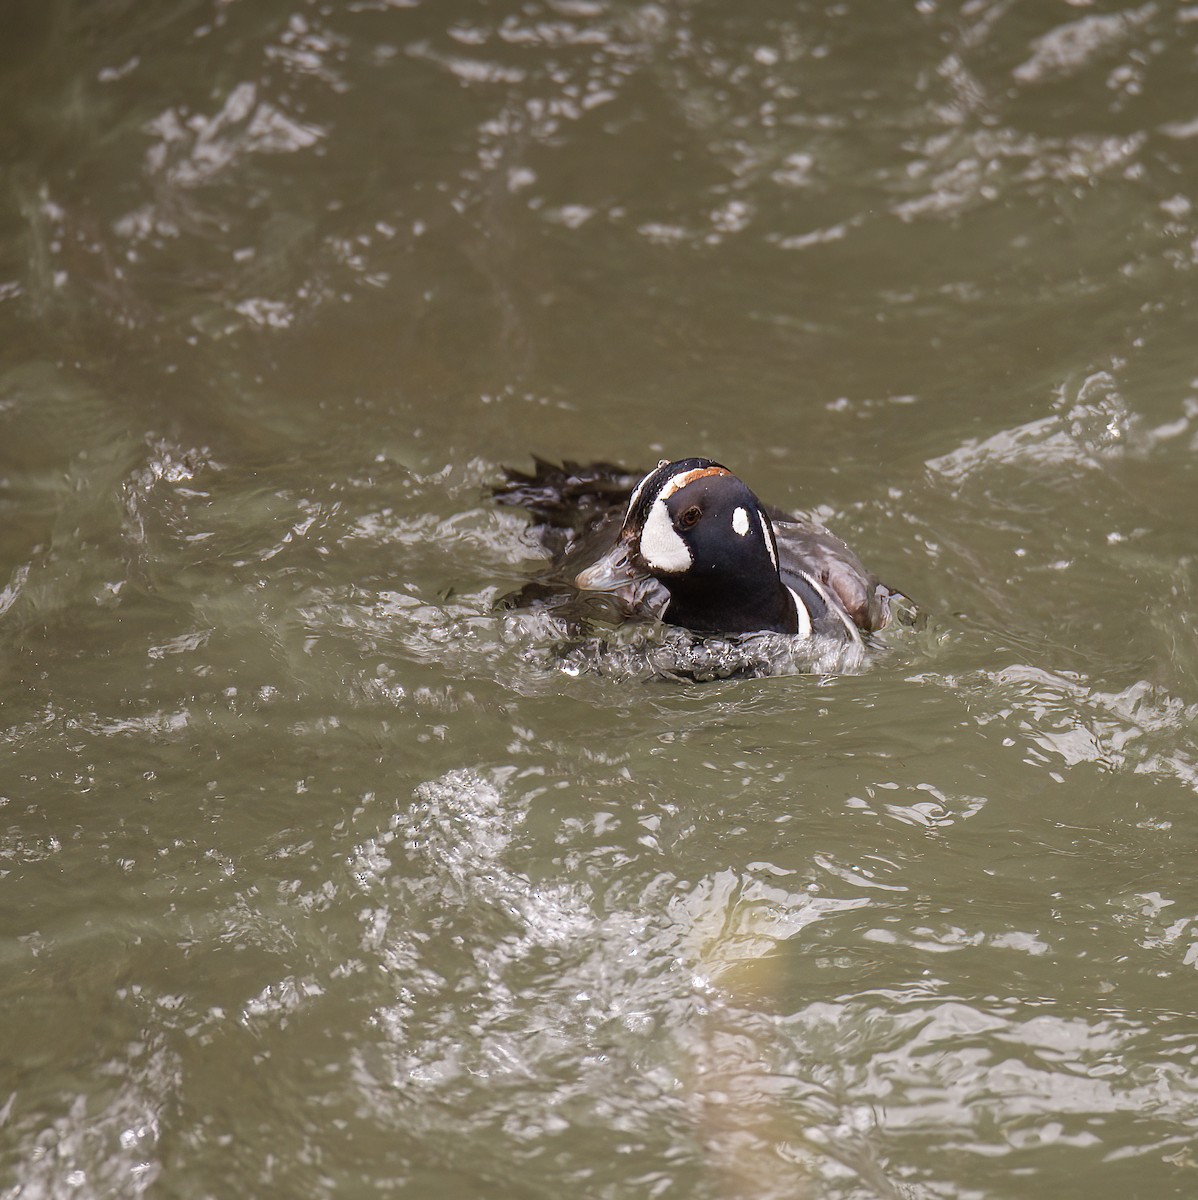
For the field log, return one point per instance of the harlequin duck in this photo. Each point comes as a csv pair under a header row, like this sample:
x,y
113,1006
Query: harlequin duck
x,y
694,546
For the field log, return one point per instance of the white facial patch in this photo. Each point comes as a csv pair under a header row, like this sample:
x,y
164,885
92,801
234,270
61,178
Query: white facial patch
x,y
661,547
740,522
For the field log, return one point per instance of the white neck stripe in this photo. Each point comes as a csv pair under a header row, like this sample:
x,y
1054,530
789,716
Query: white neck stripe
x,y
803,615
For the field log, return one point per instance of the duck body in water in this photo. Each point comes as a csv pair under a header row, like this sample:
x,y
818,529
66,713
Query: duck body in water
x,y
691,544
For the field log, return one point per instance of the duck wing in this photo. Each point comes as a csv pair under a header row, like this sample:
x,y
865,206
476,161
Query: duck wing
x,y
811,550
571,496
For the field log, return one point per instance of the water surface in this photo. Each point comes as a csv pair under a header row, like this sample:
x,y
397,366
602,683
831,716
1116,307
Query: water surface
x,y
319,877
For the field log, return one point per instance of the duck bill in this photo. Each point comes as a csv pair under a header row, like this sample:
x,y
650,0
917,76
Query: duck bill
x,y
635,592
616,575
612,573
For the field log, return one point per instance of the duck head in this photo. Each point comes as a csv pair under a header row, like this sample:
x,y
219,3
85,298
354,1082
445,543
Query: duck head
x,y
701,533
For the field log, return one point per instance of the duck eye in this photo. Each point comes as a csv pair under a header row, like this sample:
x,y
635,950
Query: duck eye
x,y
690,516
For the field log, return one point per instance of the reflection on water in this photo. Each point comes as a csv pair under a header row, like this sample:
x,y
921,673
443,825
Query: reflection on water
x,y
320,876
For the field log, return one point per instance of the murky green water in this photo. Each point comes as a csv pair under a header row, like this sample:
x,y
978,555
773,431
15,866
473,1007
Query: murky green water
x,y
318,878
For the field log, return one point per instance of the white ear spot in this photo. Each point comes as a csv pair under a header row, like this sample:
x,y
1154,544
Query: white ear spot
x,y
661,547
740,522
